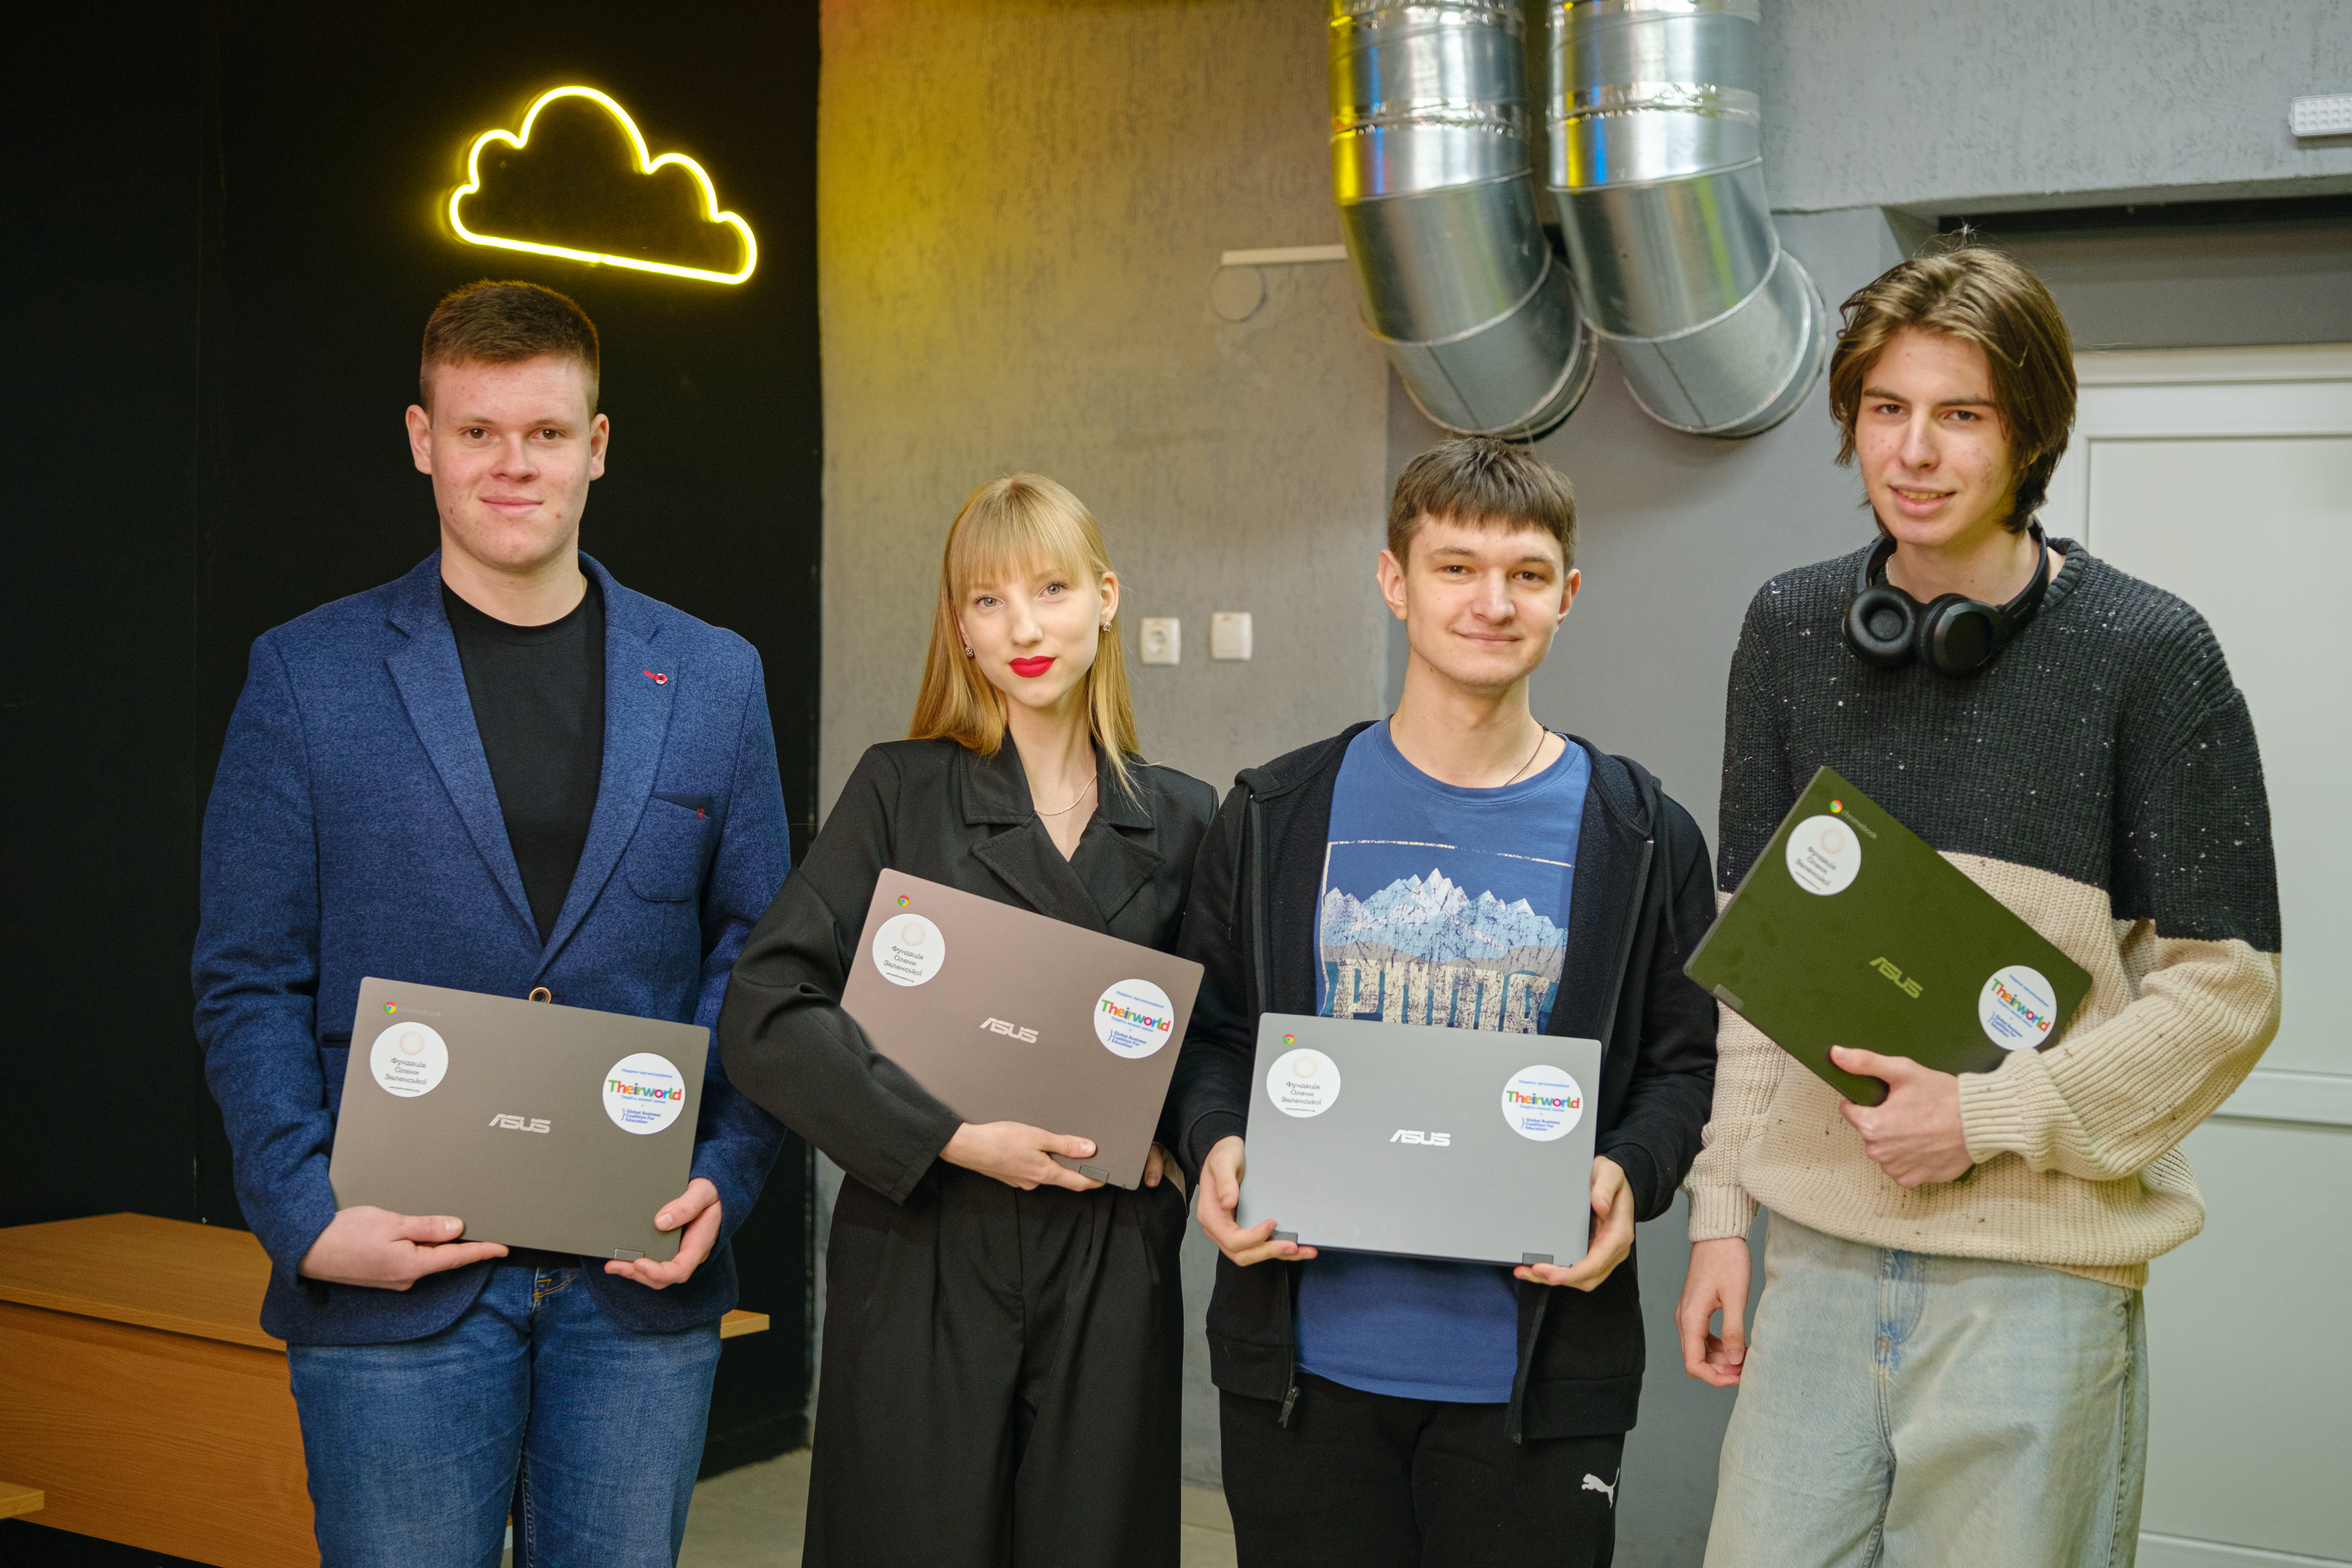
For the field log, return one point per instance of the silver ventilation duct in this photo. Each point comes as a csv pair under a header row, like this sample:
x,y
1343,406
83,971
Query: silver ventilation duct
x,y
1429,162
1657,167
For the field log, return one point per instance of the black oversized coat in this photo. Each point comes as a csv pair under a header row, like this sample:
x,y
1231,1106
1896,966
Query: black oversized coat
x,y
941,811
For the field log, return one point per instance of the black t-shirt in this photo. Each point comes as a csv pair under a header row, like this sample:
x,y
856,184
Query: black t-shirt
x,y
539,703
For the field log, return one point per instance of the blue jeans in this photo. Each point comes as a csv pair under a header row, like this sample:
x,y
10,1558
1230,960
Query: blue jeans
x,y
415,1448
1908,1410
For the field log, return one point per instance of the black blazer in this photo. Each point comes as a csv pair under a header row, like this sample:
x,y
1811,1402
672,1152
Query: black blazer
x,y
942,812
1644,895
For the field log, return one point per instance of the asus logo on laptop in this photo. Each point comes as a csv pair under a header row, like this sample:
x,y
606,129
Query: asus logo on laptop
x,y
519,1124
1433,1140
998,1026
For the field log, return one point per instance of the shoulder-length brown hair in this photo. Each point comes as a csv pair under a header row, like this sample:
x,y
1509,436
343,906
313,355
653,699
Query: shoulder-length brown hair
x,y
1981,295
1008,527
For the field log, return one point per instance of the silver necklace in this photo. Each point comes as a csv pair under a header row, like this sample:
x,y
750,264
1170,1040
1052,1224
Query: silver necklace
x,y
1065,811
1542,735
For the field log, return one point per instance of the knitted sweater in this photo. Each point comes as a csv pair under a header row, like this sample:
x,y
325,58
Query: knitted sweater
x,y
2100,779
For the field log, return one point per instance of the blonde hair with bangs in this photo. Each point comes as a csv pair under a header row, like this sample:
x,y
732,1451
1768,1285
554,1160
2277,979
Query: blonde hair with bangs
x,y
1004,527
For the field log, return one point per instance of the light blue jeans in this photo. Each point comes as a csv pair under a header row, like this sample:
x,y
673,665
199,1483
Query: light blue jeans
x,y
415,1448
1905,1410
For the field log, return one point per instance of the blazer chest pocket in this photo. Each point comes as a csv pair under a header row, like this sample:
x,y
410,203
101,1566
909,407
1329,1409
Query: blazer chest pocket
x,y
673,844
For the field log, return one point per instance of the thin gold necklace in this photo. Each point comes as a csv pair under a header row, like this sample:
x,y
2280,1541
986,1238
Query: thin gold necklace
x,y
1065,811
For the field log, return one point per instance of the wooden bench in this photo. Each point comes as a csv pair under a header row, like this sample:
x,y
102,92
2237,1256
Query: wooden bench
x,y
145,1404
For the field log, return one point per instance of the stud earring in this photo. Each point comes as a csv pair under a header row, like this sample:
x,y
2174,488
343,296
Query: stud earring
x,y
967,651
1106,625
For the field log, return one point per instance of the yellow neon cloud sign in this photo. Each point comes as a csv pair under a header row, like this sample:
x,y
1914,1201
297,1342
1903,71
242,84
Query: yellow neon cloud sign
x,y
647,164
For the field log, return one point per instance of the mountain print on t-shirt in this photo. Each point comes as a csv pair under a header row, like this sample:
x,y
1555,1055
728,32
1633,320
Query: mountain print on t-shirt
x,y
1420,949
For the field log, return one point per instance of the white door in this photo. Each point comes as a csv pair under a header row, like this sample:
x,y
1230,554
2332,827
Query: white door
x,y
2225,476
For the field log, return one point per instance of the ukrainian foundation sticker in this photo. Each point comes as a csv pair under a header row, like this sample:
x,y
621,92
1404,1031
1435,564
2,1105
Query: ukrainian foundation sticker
x,y
2017,1008
1824,855
909,950
409,1059
644,1093
1134,1018
1303,1083
1542,1103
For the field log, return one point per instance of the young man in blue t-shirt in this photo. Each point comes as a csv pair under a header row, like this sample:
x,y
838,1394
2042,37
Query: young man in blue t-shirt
x,y
1461,866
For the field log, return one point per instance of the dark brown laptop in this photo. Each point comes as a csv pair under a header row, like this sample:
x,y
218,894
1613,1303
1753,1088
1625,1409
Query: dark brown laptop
x,y
1008,1015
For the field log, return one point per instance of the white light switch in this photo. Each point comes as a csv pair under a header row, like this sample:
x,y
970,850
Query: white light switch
x,y
1162,638
1229,634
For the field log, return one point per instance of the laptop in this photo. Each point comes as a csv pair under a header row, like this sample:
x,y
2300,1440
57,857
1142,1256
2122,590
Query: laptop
x,y
1468,1144
541,1126
1849,930
1009,1015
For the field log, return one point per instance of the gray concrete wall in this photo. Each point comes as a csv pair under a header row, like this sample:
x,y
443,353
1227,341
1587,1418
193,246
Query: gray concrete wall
x,y
1992,103
1021,210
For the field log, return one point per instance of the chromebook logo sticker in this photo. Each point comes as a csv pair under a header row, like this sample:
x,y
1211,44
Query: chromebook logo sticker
x,y
2017,1008
644,1093
1134,1018
1303,1083
1542,1103
1824,855
409,1059
909,950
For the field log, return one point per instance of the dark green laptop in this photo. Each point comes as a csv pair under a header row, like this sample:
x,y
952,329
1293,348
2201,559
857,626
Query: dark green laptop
x,y
1850,930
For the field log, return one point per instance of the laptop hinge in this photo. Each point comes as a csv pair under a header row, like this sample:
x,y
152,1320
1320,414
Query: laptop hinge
x,y
1531,1258
1284,1235
1095,1172
625,1256
1723,994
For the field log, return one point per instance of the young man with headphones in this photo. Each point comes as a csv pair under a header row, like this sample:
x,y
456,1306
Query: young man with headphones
x,y
1949,1363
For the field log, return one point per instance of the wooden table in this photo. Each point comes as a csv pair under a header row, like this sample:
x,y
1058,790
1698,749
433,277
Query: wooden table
x,y
143,1399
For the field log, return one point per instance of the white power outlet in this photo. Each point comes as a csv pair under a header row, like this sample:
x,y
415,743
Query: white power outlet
x,y
1162,639
1229,634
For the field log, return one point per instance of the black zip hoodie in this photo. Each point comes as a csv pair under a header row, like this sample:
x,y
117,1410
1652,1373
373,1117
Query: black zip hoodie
x,y
1644,893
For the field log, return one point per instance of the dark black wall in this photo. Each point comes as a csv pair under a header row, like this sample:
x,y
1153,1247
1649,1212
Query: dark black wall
x,y
223,237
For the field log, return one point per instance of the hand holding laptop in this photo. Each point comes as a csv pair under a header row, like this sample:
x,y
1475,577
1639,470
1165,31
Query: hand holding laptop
x,y
1612,1236
367,1245
698,1210
1221,1194
1914,1133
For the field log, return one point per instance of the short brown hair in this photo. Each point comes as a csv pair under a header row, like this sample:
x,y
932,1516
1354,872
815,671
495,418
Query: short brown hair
x,y
1977,294
507,323
1483,482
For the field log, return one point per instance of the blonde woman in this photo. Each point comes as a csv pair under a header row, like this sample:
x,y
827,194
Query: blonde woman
x,y
1003,1341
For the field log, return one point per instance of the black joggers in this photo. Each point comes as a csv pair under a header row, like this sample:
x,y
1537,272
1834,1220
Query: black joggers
x,y
1002,1378
1371,1481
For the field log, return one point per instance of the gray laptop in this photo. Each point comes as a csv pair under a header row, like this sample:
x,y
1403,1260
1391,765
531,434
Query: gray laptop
x,y
1455,1143
539,1125
1008,1015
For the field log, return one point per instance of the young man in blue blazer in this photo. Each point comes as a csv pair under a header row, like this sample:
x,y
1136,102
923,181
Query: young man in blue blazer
x,y
502,772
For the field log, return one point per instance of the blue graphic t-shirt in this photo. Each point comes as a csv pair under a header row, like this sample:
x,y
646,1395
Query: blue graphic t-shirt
x,y
1444,906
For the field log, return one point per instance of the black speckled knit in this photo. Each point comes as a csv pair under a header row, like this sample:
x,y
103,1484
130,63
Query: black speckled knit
x,y
2106,744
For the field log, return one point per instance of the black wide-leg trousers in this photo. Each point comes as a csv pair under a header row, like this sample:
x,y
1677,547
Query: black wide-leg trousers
x,y
1002,1378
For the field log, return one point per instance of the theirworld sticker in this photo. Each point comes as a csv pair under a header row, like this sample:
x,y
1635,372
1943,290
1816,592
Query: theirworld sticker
x,y
644,1093
1134,1018
909,950
409,1059
1303,1083
2017,1008
1542,1103
1824,855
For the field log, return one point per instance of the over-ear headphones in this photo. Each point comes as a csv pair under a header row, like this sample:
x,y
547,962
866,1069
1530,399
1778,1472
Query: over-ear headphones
x,y
1953,635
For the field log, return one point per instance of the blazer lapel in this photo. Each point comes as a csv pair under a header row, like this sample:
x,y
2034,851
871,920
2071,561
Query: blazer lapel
x,y
1113,867
636,724
431,686
995,793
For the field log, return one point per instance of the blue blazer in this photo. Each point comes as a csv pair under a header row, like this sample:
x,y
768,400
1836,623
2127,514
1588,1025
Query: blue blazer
x,y
353,830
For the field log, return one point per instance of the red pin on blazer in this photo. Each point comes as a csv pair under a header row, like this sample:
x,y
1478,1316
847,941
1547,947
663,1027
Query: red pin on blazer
x,y
657,680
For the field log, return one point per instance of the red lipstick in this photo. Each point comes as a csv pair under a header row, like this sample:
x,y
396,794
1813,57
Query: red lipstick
x,y
1031,668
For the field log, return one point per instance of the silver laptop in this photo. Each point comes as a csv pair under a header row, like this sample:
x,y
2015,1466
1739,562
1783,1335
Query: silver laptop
x,y
1009,1015
1427,1143
539,1125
